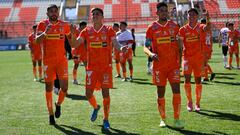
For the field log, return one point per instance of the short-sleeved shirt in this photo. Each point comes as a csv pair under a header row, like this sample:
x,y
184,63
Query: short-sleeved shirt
x,y
35,48
53,44
233,38
224,32
124,37
99,47
207,41
164,44
191,40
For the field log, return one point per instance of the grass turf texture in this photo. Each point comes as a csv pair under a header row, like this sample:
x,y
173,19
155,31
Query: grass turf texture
x,y
133,105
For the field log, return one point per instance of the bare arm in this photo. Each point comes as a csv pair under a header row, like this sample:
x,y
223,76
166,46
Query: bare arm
x,y
75,41
116,44
146,50
219,39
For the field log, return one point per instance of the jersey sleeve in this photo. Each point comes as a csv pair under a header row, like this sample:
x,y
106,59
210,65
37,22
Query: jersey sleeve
x,y
83,34
181,32
67,29
41,28
111,33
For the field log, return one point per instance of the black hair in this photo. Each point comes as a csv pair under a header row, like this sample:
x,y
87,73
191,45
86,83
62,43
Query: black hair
x,y
52,6
193,9
97,9
161,4
124,23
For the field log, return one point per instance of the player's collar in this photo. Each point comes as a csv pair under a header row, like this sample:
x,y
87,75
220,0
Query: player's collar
x,y
161,24
192,27
97,31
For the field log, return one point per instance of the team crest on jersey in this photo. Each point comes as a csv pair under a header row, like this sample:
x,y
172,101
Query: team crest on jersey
x,y
171,31
104,37
164,33
104,44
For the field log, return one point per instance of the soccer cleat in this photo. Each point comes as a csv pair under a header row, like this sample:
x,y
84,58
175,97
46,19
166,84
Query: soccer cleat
x,y
95,113
75,82
130,78
124,80
51,120
178,124
106,124
197,108
189,106
212,76
118,76
162,124
57,111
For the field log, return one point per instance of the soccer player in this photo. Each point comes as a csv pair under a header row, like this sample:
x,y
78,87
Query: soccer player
x,y
134,41
192,56
233,38
162,35
36,54
222,40
117,53
99,39
125,39
51,33
79,54
207,49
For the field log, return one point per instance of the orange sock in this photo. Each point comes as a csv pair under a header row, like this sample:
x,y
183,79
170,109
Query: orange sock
x,y
40,71
34,72
93,102
48,96
230,61
106,106
176,101
161,107
118,68
209,69
198,93
124,75
61,97
188,91
237,61
206,72
131,72
74,74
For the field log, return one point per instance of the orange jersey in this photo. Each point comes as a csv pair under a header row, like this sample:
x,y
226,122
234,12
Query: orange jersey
x,y
99,47
233,38
35,48
207,41
164,44
191,40
53,44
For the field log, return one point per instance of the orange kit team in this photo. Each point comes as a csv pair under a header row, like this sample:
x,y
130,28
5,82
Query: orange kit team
x,y
79,54
99,39
116,28
234,36
125,39
36,54
162,36
192,56
51,33
207,50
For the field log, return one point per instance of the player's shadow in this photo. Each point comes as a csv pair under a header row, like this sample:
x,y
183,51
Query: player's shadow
x,y
226,74
219,115
141,81
220,133
224,77
76,97
187,132
113,131
228,83
69,130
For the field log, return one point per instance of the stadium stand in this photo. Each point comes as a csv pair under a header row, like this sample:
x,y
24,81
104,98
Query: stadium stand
x,y
17,16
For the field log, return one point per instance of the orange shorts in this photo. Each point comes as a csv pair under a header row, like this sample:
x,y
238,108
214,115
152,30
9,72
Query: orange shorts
x,y
160,77
126,56
207,56
99,79
83,56
53,68
193,64
36,56
116,55
234,50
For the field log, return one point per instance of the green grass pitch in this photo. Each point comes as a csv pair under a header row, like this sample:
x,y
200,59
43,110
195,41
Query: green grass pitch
x,y
133,105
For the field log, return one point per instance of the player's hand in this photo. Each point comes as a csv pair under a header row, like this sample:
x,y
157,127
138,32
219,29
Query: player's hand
x,y
206,14
154,57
